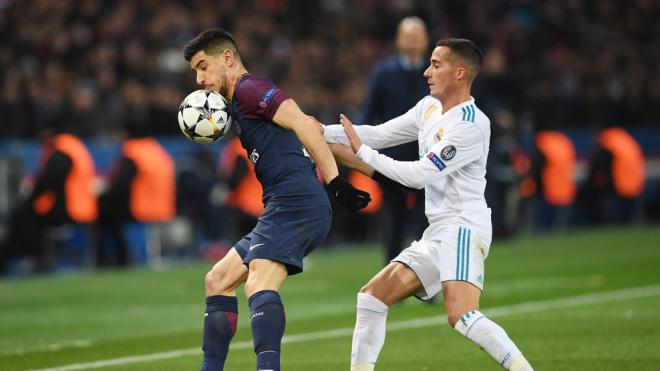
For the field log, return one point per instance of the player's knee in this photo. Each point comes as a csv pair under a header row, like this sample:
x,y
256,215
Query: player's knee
x,y
253,286
217,282
250,288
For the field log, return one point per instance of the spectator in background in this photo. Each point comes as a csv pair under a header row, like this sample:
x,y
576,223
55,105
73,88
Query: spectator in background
x,y
501,177
550,184
63,192
201,199
141,189
50,46
244,198
616,177
396,84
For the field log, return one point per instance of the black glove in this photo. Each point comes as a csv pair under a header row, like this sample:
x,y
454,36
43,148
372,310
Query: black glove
x,y
347,195
395,188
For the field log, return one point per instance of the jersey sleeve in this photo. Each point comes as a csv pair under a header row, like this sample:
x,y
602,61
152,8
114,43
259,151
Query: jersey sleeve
x,y
399,130
258,98
460,145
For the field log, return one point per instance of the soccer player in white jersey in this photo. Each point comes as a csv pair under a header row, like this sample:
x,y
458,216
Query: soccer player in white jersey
x,y
453,137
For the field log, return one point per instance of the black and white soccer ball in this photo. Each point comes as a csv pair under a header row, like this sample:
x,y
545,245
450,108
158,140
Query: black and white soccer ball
x,y
204,116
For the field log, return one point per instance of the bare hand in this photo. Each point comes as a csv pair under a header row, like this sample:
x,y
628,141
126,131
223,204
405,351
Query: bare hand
x,y
352,135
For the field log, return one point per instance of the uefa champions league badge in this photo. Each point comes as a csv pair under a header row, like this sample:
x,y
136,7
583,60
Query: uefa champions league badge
x,y
448,152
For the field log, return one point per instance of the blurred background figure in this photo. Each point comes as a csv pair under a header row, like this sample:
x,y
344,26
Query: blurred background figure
x,y
550,184
502,177
63,192
201,198
141,188
615,178
244,198
395,85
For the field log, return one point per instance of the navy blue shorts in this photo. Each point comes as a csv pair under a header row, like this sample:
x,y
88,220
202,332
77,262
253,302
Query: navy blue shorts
x,y
286,234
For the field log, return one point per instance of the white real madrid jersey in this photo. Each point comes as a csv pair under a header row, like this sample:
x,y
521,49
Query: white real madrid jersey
x,y
453,148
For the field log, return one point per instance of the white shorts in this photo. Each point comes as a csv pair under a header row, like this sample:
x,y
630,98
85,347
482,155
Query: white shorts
x,y
455,254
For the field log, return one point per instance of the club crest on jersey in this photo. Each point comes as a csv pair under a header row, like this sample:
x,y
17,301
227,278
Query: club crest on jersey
x,y
438,135
448,152
254,157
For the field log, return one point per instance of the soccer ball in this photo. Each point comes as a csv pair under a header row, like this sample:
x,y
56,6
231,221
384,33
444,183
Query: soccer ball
x,y
204,116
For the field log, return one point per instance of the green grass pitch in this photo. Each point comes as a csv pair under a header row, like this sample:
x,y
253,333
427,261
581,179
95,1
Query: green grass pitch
x,y
583,300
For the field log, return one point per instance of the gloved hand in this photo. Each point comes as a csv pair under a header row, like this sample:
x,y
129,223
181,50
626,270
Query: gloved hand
x,y
395,188
347,195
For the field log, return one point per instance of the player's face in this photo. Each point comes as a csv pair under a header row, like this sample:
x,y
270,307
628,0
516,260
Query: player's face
x,y
211,72
441,75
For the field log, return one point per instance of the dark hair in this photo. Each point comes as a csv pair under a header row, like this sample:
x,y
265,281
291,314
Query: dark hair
x,y
466,50
212,42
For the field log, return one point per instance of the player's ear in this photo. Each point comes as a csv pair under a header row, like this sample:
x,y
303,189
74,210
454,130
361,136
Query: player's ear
x,y
461,73
228,57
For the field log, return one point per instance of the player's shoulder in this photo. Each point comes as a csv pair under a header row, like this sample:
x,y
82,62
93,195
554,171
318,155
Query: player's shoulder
x,y
251,87
469,113
257,97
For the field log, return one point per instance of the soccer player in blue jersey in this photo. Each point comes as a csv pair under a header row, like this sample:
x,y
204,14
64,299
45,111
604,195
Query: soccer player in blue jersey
x,y
273,131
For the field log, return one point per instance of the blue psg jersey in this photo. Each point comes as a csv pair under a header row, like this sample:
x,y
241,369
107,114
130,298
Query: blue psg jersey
x,y
285,171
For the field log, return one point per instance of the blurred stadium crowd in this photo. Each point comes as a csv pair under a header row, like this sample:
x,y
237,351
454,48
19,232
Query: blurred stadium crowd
x,y
92,65
94,68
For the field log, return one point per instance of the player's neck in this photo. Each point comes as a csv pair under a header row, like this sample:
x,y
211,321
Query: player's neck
x,y
241,71
452,100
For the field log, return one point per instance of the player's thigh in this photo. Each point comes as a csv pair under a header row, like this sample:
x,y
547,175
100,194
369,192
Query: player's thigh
x,y
286,234
264,274
459,298
462,253
226,275
393,283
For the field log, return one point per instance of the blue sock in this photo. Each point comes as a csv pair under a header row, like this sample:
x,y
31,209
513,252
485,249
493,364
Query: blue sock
x,y
268,322
220,321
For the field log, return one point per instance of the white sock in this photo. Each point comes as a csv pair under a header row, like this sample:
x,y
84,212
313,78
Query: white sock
x,y
369,334
493,340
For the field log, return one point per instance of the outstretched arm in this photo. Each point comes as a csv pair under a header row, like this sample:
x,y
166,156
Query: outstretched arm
x,y
289,116
465,139
399,130
345,156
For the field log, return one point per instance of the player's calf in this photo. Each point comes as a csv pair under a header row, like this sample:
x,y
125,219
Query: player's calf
x,y
475,326
268,322
220,321
369,334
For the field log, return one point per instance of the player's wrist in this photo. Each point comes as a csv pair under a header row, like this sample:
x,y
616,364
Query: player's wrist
x,y
333,184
